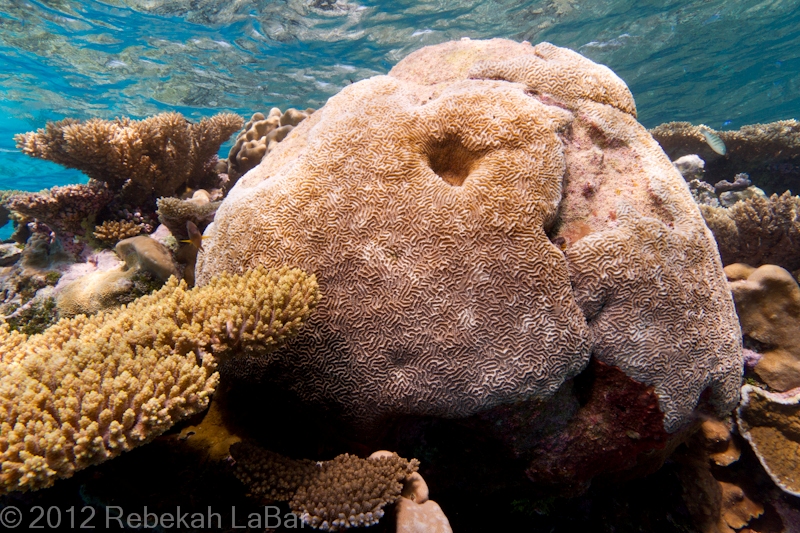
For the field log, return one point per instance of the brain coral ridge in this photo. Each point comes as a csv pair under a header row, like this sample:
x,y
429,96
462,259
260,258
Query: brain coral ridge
x,y
90,388
426,201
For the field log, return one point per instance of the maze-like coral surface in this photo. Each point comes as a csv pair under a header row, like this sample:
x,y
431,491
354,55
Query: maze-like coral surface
x,y
444,215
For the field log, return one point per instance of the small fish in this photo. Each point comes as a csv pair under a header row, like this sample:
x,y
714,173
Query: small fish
x,y
713,139
195,237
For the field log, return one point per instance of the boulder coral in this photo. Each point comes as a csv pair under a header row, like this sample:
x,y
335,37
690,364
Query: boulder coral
x,y
483,220
140,160
90,388
768,303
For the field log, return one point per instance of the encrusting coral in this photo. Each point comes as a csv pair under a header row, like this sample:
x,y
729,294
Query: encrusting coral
x,y
140,160
334,495
426,201
90,388
771,424
768,304
758,231
113,231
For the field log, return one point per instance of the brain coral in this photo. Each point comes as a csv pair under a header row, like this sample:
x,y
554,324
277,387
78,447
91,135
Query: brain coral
x,y
482,220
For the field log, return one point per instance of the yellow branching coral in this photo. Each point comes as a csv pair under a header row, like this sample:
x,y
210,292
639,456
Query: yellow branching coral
x,y
141,158
90,388
113,231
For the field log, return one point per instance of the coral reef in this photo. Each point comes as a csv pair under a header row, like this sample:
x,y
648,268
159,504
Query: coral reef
x,y
140,160
259,137
758,231
769,422
113,231
769,153
426,201
768,304
342,493
88,389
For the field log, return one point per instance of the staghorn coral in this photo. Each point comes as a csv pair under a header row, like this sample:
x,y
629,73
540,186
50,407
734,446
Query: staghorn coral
x,y
139,159
768,304
758,231
113,231
769,153
770,423
174,213
90,388
426,201
62,209
259,137
342,493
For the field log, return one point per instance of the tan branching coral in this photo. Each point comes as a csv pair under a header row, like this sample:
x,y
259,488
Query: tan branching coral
x,y
113,231
63,209
758,231
768,303
142,159
334,495
771,424
88,389
436,203
259,137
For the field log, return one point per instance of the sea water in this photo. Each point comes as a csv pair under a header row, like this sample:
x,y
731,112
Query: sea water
x,y
721,63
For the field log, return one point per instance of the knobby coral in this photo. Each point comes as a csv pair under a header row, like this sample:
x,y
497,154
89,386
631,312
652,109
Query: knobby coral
x,y
142,159
426,200
342,493
259,137
90,388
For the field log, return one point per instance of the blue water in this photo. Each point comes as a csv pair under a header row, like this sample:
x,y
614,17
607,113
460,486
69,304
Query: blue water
x,y
721,63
